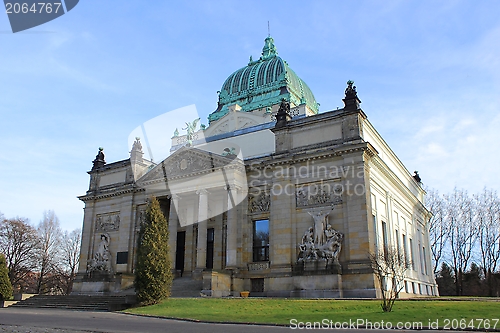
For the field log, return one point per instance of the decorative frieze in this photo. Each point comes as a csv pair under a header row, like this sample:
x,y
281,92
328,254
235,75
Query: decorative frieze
x,y
107,222
318,194
260,202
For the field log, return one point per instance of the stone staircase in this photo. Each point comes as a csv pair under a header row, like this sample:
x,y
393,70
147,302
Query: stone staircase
x,y
77,302
186,287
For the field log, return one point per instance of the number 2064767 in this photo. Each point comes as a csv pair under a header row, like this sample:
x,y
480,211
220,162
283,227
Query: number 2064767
x,y
35,8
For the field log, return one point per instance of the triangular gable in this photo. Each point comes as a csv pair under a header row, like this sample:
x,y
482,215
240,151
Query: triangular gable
x,y
185,162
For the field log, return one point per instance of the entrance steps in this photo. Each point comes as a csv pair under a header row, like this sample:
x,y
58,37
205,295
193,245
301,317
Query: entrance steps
x,y
77,302
186,287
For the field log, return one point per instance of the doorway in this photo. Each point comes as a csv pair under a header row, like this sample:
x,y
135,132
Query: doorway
x,y
210,248
180,250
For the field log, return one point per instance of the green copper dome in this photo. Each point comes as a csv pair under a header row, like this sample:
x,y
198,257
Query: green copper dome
x,y
263,83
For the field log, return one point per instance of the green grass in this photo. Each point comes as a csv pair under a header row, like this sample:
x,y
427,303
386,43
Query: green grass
x,y
281,311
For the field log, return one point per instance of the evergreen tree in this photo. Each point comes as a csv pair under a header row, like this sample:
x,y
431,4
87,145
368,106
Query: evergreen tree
x,y
5,285
474,281
153,273
446,281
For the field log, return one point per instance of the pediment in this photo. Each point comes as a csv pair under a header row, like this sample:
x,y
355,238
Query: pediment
x,y
185,162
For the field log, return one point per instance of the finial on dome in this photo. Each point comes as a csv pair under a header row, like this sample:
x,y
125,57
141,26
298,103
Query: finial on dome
x,y
269,50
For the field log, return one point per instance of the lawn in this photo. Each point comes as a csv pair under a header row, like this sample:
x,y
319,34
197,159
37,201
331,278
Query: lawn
x,y
446,313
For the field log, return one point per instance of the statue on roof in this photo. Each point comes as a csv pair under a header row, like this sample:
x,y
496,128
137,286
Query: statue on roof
x,y
99,159
136,153
283,115
351,100
416,176
191,129
351,89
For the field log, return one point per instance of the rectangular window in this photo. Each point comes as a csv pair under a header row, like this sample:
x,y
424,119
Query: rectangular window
x,y
405,248
261,240
384,236
420,250
425,261
375,232
412,257
397,242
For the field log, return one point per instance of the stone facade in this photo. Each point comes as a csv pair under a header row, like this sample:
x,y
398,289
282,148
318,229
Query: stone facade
x,y
275,202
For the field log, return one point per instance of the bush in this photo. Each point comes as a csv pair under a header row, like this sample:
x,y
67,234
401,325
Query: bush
x,y
5,285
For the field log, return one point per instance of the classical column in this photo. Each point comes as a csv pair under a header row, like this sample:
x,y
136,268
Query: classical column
x,y
232,228
173,221
201,249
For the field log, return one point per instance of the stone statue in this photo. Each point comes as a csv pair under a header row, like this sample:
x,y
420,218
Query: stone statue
x,y
351,100
307,246
416,176
191,128
99,159
351,89
331,249
102,258
320,222
321,241
137,144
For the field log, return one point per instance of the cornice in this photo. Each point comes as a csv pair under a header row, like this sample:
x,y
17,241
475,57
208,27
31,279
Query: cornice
x,y
98,195
321,153
384,169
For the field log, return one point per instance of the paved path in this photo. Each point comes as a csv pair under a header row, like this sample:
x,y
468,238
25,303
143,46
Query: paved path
x,y
23,320
67,321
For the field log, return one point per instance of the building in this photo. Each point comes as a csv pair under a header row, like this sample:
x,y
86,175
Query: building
x,y
272,197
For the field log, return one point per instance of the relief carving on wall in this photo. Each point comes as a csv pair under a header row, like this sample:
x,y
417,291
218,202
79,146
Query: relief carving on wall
x,y
260,202
320,241
140,219
318,194
107,222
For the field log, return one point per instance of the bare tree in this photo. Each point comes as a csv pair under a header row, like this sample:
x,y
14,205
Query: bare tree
x,y
19,242
463,233
49,252
71,256
438,227
389,266
488,219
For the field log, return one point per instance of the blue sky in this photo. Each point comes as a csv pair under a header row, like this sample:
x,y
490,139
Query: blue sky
x,y
427,73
